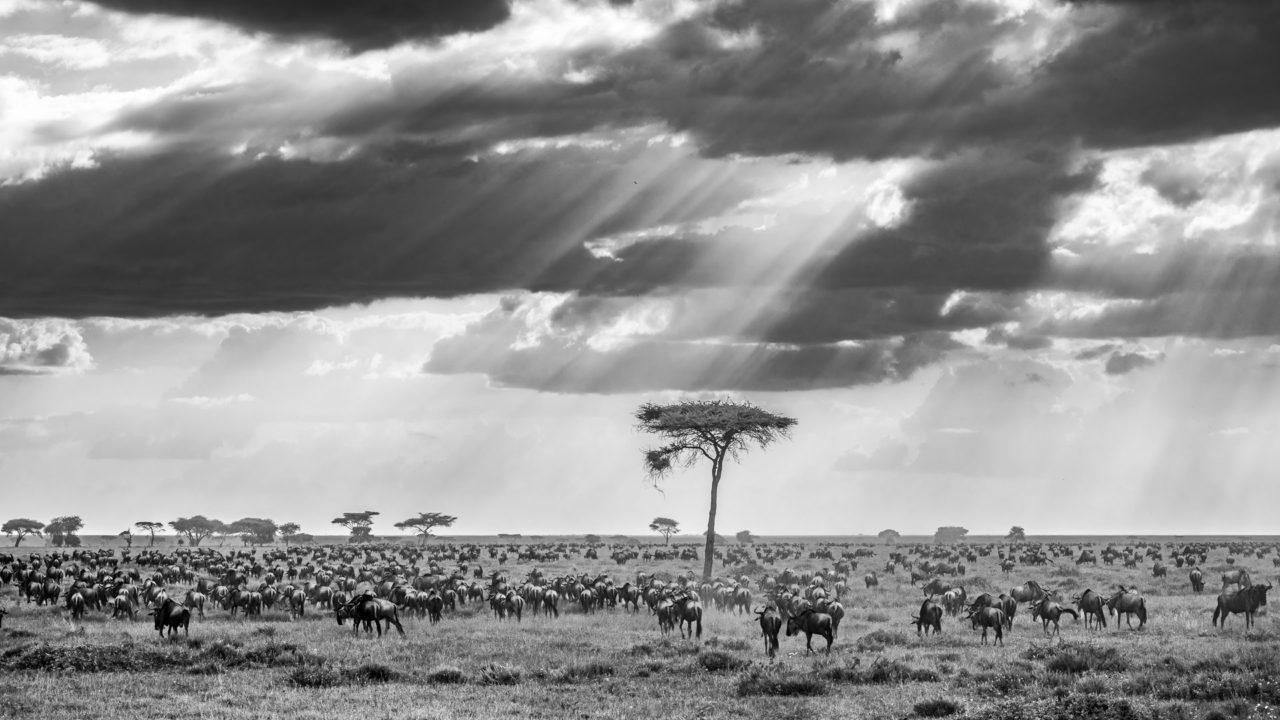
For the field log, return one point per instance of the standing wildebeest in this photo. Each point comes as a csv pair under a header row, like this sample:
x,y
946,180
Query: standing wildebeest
x,y
988,617
689,611
1238,577
937,587
1091,605
1048,611
1028,592
1246,601
930,616
871,579
172,615
435,607
1009,606
1129,603
371,611
811,623
1197,580
75,603
120,605
953,600
195,600
1159,569
770,624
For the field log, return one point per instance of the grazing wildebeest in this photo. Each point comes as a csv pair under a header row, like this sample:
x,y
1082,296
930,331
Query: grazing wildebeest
x,y
1128,602
371,611
195,601
1087,556
666,612
930,616
171,615
75,603
1197,580
937,587
1091,605
770,625
953,600
1009,606
1238,577
871,579
1048,610
836,611
1159,569
551,603
120,605
811,623
1028,592
988,617
1246,600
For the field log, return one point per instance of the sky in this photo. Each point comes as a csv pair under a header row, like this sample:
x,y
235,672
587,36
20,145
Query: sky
x,y
1007,262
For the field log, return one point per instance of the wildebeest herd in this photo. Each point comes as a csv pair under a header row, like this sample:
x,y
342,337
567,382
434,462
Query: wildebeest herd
x,y
375,586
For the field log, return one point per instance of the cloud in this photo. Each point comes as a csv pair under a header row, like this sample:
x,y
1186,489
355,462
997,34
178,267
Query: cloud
x,y
358,26
42,346
1120,363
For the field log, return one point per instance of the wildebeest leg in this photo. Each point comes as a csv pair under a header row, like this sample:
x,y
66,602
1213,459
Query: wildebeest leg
x,y
829,637
808,641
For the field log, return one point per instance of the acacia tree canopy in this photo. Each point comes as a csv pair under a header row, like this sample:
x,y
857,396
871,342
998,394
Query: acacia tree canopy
x,y
255,531
424,523
22,527
196,528
745,536
1016,534
151,528
359,523
713,429
949,534
666,527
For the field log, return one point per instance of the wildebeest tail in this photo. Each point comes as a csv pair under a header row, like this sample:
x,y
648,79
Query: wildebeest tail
x,y
1142,610
1069,611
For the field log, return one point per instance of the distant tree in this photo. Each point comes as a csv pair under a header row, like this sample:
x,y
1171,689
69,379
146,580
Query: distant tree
x,y
23,527
1016,534
303,538
949,534
889,537
255,531
151,528
222,530
424,523
745,537
719,538
717,430
127,535
592,539
666,527
62,530
360,524
196,528
288,531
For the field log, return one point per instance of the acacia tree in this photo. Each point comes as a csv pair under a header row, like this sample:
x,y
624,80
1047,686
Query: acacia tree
x,y
289,531
949,534
196,528
889,536
666,527
255,531
150,527
745,537
128,537
424,523
1016,534
360,524
23,527
62,530
717,430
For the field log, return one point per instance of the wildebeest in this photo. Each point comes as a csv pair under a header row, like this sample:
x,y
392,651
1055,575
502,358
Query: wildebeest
x,y
171,615
1159,569
120,605
75,603
1048,610
1197,580
195,601
371,611
1028,592
988,617
871,579
1009,606
936,586
930,616
3,612
688,611
811,623
1091,605
1128,602
770,623
953,600
1238,577
1246,600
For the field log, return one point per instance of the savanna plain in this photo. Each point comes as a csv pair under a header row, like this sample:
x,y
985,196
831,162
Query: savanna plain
x,y
615,663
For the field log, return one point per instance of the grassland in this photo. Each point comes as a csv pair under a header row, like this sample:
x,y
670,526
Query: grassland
x,y
615,665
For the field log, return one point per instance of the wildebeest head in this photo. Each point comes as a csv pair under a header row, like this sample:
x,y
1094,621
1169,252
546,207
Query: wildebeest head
x,y
795,623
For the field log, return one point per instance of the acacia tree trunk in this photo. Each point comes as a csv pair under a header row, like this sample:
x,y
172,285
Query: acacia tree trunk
x,y
708,558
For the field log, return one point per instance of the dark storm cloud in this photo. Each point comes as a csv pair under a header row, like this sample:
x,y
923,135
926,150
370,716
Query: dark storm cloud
x,y
204,234
368,25
1121,363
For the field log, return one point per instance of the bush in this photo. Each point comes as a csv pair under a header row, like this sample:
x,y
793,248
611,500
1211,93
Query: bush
x,y
881,639
447,675
715,661
494,674
940,707
370,673
884,672
1078,658
578,672
779,682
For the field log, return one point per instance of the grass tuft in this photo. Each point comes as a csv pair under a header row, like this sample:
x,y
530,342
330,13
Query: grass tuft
x,y
880,639
447,675
939,707
495,674
779,682
717,661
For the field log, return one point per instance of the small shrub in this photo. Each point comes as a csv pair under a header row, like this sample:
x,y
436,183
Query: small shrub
x,y
881,639
578,672
940,707
780,683
1091,686
494,674
370,673
716,661
447,675
884,672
